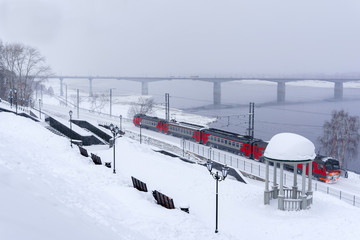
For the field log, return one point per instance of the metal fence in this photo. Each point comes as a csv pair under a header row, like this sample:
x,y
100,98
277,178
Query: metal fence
x,y
257,169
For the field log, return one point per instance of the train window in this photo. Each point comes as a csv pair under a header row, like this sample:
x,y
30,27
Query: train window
x,y
256,150
225,141
247,147
222,140
320,166
230,143
237,145
233,143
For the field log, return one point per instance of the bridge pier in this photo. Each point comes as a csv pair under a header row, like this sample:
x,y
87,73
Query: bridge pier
x,y
338,90
90,87
281,92
144,88
61,87
217,93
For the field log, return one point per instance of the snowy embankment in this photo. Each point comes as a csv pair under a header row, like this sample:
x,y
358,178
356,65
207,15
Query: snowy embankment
x,y
49,191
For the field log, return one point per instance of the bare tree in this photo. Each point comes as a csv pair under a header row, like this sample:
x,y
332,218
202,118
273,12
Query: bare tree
x,y
341,137
73,99
98,102
144,106
22,65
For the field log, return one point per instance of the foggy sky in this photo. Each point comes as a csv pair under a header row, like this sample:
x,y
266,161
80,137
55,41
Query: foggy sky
x,y
188,37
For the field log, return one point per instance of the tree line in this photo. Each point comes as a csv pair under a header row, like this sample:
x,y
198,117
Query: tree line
x,y
20,65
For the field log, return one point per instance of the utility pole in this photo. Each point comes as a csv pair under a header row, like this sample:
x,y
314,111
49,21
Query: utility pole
x,y
120,123
167,107
41,92
66,103
78,102
110,102
251,120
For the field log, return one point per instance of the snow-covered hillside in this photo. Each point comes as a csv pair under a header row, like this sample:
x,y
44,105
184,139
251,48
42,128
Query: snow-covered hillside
x,y
49,191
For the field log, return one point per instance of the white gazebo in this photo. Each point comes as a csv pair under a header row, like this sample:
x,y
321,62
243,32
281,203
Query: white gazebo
x,y
290,149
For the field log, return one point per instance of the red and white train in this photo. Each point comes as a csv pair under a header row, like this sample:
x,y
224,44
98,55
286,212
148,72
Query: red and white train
x,y
325,169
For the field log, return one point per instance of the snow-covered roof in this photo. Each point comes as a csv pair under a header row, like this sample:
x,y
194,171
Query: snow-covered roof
x,y
290,147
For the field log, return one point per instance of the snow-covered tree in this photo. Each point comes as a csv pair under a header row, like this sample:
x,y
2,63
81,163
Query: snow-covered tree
x,y
341,137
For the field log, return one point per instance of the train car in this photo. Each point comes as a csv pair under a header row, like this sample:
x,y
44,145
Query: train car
x,y
227,141
235,143
185,130
178,129
152,123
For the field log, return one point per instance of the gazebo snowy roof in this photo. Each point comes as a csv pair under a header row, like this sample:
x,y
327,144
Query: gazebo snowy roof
x,y
290,147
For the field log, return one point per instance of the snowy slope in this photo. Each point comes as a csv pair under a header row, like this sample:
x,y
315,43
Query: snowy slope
x,y
49,191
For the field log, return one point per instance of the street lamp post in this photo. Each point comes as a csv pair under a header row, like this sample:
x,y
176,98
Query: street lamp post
x,y
140,131
115,131
11,97
70,114
218,179
16,103
40,108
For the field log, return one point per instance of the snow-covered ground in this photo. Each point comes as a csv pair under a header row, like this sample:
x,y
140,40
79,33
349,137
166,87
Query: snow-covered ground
x,y
49,191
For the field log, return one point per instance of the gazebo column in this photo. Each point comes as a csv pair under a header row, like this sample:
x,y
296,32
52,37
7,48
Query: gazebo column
x,y
281,196
309,192
267,192
275,188
295,188
303,194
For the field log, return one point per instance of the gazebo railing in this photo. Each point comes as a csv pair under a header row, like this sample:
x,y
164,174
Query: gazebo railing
x,y
292,204
289,193
295,204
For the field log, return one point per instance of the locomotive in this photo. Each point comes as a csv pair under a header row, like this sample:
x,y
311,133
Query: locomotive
x,y
324,168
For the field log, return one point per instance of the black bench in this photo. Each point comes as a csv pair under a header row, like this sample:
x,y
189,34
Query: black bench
x,y
83,151
163,200
139,185
96,159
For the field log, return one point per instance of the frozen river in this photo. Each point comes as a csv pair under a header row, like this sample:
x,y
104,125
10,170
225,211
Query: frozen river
x,y
308,104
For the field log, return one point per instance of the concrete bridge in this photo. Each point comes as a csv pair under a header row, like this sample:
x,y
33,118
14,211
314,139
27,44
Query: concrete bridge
x,y
281,83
